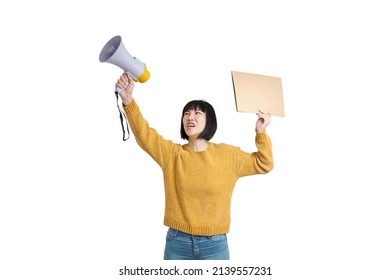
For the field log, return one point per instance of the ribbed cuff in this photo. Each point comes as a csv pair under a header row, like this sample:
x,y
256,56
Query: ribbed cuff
x,y
130,107
261,135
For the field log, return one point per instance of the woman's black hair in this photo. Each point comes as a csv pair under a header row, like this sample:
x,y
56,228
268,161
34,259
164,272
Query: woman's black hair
x,y
211,119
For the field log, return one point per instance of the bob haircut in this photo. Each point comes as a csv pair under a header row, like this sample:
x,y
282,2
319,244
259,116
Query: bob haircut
x,y
211,119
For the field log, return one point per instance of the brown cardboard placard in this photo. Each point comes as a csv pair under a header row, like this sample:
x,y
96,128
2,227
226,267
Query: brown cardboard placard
x,y
253,92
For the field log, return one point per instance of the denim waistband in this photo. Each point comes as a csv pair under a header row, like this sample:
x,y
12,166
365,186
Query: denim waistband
x,y
176,232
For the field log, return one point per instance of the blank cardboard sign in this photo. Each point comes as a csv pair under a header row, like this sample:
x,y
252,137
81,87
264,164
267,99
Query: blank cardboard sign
x,y
253,92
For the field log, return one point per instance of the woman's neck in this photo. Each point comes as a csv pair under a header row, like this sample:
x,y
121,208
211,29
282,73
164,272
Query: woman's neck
x,y
198,145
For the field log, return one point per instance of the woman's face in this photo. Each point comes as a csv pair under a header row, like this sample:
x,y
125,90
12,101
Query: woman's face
x,y
194,122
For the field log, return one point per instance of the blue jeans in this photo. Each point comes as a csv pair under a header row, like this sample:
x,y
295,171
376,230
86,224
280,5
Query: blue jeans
x,y
183,246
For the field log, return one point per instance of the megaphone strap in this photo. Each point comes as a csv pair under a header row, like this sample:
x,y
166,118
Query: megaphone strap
x,y
123,118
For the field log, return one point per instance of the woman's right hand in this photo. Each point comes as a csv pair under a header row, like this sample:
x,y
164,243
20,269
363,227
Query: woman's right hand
x,y
126,84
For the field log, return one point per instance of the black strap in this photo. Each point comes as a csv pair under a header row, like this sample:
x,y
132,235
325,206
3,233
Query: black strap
x,y
122,117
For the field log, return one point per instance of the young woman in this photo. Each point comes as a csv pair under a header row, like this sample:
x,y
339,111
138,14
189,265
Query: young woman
x,y
199,176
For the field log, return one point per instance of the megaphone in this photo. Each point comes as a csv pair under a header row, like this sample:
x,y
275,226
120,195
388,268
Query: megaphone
x,y
114,52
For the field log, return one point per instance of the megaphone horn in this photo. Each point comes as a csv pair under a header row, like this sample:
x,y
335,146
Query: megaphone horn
x,y
114,52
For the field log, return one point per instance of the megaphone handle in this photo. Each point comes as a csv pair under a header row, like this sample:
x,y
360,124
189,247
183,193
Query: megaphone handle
x,y
119,90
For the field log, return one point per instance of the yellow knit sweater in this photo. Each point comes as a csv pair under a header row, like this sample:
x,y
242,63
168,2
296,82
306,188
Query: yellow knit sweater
x,y
199,185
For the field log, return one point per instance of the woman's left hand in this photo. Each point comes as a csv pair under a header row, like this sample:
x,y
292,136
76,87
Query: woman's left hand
x,y
264,119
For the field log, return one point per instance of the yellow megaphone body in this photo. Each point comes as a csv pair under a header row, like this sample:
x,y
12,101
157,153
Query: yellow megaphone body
x,y
114,52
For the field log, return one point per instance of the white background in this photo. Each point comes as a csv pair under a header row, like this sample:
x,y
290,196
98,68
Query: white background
x,y
76,202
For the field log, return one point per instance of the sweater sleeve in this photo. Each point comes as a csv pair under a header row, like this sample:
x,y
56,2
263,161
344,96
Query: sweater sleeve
x,y
259,162
148,138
